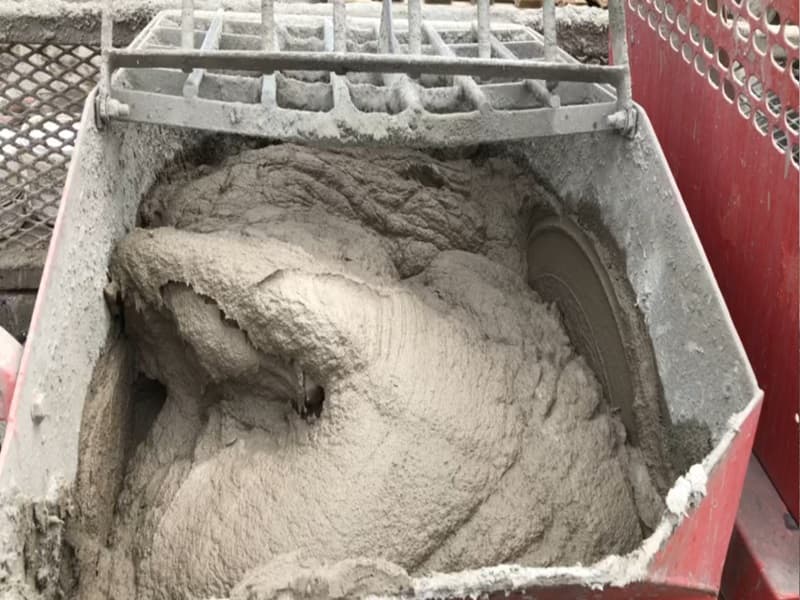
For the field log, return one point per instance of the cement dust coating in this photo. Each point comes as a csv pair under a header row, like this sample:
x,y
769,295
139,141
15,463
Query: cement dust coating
x,y
457,428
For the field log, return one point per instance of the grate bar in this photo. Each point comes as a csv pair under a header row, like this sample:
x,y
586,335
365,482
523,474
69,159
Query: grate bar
x,y
267,24
339,26
447,64
338,92
106,29
404,128
386,33
471,78
187,24
211,42
549,29
409,98
619,51
550,35
484,30
537,88
468,84
414,26
269,87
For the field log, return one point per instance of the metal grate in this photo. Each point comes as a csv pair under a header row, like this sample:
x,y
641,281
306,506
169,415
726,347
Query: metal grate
x,y
42,91
335,78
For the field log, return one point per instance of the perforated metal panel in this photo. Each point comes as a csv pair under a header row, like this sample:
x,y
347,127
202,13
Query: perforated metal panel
x,y
719,80
42,91
747,50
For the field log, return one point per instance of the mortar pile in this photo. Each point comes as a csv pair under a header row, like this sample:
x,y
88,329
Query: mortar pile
x,y
334,356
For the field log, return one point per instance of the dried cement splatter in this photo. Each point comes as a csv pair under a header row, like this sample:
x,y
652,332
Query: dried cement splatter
x,y
352,366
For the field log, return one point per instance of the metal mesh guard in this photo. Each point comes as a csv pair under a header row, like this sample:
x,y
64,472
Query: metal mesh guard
x,y
42,93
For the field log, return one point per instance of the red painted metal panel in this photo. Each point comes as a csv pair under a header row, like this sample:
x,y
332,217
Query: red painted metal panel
x,y
689,565
764,558
693,557
636,591
727,118
10,354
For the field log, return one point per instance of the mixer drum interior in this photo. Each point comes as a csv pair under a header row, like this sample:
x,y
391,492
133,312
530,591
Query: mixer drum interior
x,y
571,267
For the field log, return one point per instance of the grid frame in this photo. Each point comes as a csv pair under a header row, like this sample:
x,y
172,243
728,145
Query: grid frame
x,y
223,80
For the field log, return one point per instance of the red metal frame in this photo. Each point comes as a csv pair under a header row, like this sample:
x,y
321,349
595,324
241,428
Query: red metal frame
x,y
739,184
764,560
10,355
689,565
695,553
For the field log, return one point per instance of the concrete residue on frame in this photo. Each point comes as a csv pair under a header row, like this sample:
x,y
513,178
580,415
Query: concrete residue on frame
x,y
343,362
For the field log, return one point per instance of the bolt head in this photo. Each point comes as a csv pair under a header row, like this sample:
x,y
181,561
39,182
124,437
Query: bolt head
x,y
37,409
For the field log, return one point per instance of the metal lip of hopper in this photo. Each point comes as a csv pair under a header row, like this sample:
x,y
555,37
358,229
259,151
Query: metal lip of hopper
x,y
510,91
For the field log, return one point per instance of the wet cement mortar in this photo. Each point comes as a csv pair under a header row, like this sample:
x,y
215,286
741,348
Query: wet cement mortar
x,y
330,375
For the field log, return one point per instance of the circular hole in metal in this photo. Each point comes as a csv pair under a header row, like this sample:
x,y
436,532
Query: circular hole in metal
x,y
723,59
792,120
726,16
700,64
711,6
760,42
773,20
778,56
761,122
683,23
713,77
796,154
669,12
745,108
675,41
795,67
652,19
708,46
738,73
663,29
754,8
659,5
728,90
779,139
791,34
773,103
694,34
755,87
686,52
742,28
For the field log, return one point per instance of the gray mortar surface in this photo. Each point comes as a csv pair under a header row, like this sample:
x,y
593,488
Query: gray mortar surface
x,y
83,252
454,407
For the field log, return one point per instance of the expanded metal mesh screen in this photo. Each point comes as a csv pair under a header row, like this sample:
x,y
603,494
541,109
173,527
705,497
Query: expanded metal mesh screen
x,y
42,91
